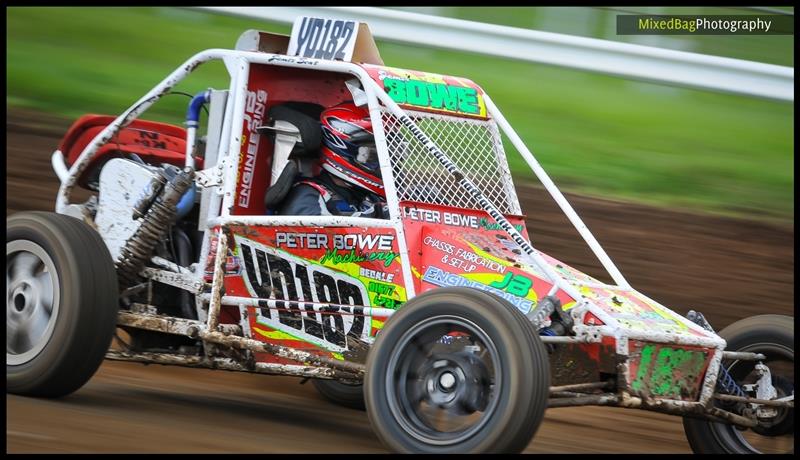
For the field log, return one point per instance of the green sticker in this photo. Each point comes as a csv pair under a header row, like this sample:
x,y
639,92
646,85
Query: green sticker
x,y
673,369
417,93
644,365
438,96
396,89
444,96
517,285
468,100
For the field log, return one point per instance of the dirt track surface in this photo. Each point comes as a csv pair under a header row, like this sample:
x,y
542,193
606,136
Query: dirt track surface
x,y
726,268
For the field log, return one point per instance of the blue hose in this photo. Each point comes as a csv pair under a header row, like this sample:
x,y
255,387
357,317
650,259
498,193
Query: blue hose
x,y
193,113
192,121
186,203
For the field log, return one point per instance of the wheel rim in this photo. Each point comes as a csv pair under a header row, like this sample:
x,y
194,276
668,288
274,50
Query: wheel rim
x,y
32,300
780,361
442,380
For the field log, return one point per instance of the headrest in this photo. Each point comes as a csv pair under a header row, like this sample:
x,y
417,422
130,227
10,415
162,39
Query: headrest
x,y
304,117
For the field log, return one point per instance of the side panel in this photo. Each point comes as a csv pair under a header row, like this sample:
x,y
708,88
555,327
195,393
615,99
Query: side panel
x,y
451,246
462,247
312,283
255,156
664,371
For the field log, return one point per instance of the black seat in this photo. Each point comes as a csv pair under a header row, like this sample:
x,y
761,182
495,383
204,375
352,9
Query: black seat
x,y
297,121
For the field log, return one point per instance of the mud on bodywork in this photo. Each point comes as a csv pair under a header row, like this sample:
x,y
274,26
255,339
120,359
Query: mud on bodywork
x,y
665,371
573,363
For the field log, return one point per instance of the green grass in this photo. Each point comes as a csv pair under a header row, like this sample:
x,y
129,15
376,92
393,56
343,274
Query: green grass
x,y
593,134
600,22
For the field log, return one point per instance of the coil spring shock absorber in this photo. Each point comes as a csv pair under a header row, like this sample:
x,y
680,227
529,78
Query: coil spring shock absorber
x,y
157,210
725,383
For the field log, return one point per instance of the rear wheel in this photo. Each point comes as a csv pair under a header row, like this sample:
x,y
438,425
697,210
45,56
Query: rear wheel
x,y
457,370
773,336
343,394
61,303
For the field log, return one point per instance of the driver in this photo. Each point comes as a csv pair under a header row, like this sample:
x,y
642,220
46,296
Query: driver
x,y
349,182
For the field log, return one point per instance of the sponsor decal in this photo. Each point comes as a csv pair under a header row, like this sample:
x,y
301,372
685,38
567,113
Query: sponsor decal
x,y
439,277
454,219
463,259
487,225
384,295
292,60
423,215
255,103
339,241
514,284
429,91
438,244
448,218
343,249
375,275
338,257
459,220
287,285
438,96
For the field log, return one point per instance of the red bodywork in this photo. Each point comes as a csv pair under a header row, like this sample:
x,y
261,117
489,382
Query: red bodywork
x,y
154,142
266,87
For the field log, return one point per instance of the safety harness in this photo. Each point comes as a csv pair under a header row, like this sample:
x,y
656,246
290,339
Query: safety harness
x,y
339,200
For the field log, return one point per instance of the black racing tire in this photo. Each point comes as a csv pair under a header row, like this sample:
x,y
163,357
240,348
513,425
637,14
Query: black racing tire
x,y
83,301
513,386
773,336
343,394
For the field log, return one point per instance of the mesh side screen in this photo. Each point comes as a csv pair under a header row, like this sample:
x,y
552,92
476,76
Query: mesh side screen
x,y
473,145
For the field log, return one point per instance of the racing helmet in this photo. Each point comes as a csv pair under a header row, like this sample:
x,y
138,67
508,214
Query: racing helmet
x,y
348,147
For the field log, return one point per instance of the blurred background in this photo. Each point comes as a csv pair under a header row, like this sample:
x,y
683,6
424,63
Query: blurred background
x,y
689,191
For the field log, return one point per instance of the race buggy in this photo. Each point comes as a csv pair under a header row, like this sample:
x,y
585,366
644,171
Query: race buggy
x,y
442,321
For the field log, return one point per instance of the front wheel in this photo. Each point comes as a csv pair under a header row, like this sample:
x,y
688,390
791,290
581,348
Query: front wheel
x,y
457,370
773,336
61,303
